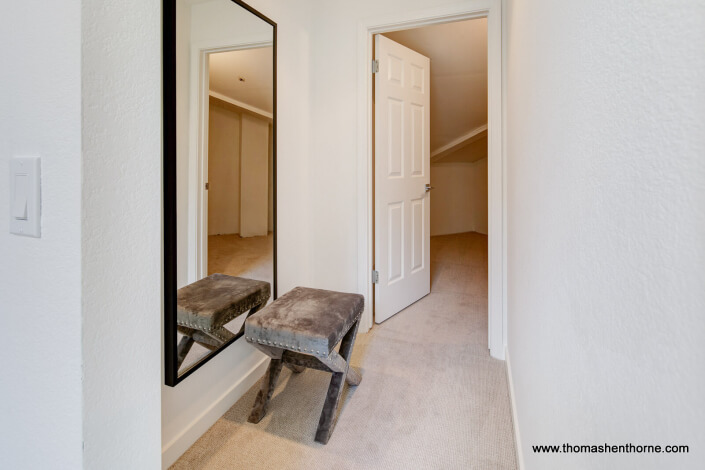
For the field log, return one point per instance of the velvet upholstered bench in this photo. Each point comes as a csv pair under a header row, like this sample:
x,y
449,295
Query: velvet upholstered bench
x,y
301,330
204,307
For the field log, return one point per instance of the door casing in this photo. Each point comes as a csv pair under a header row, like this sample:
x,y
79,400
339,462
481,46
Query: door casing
x,y
198,150
497,245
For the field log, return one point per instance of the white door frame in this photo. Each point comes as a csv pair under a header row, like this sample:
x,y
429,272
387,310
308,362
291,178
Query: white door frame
x,y
492,10
198,149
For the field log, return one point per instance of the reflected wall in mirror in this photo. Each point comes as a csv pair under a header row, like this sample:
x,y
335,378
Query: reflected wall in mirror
x,y
219,176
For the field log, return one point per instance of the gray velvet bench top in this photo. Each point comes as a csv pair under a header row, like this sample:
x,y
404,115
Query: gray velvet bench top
x,y
206,305
301,330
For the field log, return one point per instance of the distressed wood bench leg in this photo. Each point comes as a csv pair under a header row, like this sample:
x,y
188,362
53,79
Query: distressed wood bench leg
x,y
329,415
183,349
294,368
330,408
259,409
353,377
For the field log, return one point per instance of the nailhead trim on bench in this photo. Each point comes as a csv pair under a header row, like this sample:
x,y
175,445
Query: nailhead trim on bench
x,y
294,348
257,301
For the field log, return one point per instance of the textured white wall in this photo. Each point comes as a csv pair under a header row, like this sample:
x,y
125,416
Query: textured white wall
x,y
40,279
121,233
606,139
85,378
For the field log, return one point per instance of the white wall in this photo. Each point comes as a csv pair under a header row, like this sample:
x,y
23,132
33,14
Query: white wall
x,y
121,233
223,168
183,139
226,171
254,168
190,408
81,371
40,279
606,268
459,197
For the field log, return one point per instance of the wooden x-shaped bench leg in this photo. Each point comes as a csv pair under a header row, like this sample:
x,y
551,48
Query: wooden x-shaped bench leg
x,y
340,364
337,362
259,409
183,349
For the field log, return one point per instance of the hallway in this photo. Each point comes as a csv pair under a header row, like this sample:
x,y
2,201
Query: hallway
x,y
431,396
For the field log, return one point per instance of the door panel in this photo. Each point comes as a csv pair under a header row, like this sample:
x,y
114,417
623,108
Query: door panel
x,y
402,169
417,234
396,241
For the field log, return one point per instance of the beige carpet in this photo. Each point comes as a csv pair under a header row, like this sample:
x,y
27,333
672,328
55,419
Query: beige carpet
x,y
430,398
244,257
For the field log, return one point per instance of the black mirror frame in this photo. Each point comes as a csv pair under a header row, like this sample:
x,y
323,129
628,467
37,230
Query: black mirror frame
x,y
171,373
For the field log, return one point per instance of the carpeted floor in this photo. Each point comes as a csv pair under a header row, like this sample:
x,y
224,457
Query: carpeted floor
x,y
244,257
430,398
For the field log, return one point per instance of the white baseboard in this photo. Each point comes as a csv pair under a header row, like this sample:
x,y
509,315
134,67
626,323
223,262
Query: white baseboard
x,y
185,439
515,417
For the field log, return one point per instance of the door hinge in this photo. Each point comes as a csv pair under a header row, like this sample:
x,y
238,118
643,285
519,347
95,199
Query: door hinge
x,y
375,66
208,186
375,277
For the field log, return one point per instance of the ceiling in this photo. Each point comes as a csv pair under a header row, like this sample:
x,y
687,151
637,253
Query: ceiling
x,y
458,53
252,65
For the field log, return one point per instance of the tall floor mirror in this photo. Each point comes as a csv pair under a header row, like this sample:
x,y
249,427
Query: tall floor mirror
x,y
219,164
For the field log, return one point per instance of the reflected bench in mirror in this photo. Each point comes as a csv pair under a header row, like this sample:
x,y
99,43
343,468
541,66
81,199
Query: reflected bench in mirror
x,y
220,159
207,307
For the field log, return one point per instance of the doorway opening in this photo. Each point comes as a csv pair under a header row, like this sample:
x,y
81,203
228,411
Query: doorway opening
x,y
234,169
239,162
430,108
468,156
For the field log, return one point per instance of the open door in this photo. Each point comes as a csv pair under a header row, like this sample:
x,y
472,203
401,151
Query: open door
x,y
402,177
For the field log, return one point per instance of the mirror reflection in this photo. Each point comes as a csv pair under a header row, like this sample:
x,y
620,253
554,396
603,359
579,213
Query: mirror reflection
x,y
225,173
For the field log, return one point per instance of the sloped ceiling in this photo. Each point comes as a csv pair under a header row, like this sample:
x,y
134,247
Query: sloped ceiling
x,y
254,66
458,53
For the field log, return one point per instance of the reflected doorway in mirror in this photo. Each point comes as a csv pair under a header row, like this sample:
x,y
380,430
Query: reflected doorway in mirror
x,y
219,170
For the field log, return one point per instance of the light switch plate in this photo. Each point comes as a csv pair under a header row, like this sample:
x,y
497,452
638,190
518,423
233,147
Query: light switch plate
x,y
25,196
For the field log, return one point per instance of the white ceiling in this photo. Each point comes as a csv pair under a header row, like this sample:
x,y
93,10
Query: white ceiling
x,y
254,65
458,53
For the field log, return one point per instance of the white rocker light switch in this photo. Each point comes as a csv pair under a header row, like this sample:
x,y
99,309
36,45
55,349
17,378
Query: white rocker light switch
x,y
25,196
19,205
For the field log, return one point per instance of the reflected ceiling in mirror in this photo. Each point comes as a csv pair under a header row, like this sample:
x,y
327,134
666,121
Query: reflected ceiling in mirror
x,y
219,176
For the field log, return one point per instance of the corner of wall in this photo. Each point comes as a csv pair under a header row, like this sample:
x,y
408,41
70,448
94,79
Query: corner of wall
x,y
121,239
515,416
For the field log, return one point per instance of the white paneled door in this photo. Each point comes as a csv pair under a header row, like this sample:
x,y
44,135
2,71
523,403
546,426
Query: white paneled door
x,y
402,171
